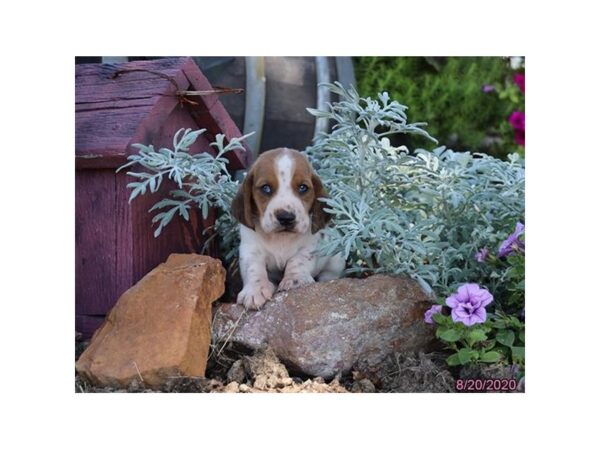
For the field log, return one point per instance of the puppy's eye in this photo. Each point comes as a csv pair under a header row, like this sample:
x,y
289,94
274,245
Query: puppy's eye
x,y
266,189
303,188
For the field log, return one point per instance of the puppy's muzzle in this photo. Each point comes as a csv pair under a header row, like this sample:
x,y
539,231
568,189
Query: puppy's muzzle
x,y
286,219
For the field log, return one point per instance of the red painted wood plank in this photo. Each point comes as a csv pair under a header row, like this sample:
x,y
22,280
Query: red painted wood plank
x,y
109,115
123,235
95,246
87,325
107,159
85,73
97,131
116,103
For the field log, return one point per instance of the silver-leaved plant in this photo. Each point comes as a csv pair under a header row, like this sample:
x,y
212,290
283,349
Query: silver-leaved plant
x,y
424,214
202,179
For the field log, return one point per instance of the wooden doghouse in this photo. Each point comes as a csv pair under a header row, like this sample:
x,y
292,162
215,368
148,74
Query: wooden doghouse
x,y
117,106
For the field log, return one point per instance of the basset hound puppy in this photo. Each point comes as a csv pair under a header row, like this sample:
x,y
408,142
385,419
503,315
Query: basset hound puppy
x,y
280,218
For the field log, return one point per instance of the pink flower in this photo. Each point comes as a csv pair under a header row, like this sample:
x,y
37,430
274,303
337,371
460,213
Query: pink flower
x,y
482,254
468,304
431,311
517,120
519,79
520,137
512,243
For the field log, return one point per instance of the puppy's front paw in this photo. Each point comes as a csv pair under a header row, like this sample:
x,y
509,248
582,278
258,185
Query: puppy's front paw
x,y
295,281
253,296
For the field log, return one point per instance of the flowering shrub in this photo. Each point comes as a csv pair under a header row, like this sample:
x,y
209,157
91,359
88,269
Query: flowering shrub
x,y
513,91
455,95
472,333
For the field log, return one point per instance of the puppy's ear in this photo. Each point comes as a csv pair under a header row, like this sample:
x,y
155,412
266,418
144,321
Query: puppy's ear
x,y
320,218
241,207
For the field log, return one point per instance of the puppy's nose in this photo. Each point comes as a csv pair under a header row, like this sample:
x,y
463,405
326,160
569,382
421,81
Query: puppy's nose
x,y
285,218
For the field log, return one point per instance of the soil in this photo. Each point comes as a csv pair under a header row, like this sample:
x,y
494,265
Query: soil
x,y
236,370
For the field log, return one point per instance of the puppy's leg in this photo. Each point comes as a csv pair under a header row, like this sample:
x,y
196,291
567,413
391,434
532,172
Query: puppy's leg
x,y
333,269
298,271
257,287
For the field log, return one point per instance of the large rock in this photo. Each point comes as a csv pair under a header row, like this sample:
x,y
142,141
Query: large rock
x,y
325,328
160,328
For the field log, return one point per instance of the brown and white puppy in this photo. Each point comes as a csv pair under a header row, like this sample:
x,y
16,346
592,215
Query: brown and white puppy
x,y
280,218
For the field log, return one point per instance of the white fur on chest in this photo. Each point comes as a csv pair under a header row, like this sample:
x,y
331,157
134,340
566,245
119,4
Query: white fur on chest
x,y
277,249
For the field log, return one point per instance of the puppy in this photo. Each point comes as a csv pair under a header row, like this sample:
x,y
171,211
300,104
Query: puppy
x,y
280,218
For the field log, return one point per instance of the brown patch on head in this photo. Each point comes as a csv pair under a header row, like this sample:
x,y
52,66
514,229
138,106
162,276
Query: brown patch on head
x,y
320,218
250,202
305,174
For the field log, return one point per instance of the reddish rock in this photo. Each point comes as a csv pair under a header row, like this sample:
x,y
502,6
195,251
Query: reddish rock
x,y
331,327
159,328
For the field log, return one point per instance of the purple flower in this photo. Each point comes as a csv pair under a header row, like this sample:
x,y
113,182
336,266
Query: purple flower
x,y
517,120
431,311
468,304
512,243
519,79
520,137
487,88
481,255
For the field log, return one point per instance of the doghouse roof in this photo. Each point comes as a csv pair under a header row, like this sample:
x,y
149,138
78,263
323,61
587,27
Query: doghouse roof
x,y
117,105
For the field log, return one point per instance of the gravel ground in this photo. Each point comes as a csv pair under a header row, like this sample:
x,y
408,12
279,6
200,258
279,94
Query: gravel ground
x,y
234,370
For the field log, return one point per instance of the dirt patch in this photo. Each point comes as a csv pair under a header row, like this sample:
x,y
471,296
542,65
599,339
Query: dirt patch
x,y
231,369
411,372
260,372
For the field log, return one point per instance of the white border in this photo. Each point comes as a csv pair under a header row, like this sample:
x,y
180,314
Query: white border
x,y
40,41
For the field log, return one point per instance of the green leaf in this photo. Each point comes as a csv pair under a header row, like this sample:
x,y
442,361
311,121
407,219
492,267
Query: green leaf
x,y
318,113
184,212
464,355
476,335
506,337
439,318
499,324
522,336
489,345
453,360
449,335
490,357
518,354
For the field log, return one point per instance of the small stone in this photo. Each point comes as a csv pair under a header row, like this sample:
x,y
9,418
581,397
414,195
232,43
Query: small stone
x,y
286,381
260,382
232,387
236,372
244,388
134,385
159,328
364,386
